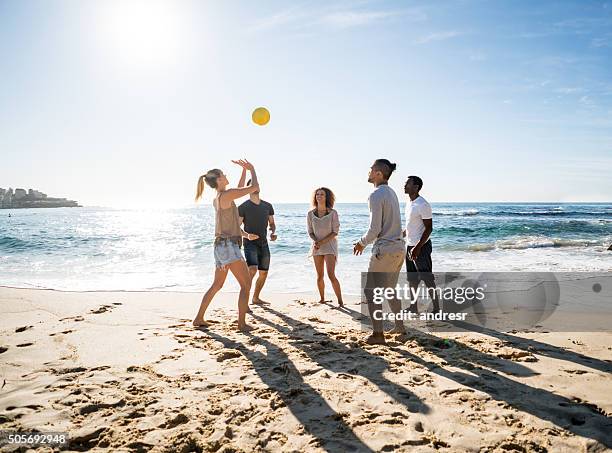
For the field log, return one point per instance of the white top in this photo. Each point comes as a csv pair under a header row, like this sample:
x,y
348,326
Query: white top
x,y
416,210
322,227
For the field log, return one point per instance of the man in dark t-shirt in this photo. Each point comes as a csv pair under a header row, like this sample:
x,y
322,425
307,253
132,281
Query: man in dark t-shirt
x,y
257,215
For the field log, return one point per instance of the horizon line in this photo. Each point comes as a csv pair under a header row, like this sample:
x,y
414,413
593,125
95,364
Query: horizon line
x,y
340,203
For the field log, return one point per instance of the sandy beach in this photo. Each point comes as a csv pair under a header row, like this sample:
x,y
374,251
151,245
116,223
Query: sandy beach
x,y
125,371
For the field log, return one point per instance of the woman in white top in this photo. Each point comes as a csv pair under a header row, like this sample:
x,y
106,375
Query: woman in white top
x,y
323,227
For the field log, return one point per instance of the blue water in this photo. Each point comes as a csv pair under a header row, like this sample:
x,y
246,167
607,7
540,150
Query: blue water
x,y
114,249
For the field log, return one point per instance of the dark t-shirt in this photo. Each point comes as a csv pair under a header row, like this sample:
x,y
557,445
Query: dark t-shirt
x,y
255,217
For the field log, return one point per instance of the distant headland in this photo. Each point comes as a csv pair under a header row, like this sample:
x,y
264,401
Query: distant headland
x,y
20,198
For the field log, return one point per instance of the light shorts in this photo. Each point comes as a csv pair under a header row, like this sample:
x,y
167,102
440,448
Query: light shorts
x,y
226,252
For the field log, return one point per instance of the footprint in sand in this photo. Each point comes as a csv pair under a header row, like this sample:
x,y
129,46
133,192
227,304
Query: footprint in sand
x,y
23,345
101,309
517,356
316,319
3,349
228,354
22,329
62,332
94,407
455,390
73,318
180,419
69,370
168,357
576,371
420,380
34,407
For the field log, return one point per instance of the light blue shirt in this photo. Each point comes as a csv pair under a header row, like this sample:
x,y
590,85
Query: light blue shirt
x,y
385,222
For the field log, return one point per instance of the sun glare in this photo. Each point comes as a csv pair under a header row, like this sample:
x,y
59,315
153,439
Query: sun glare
x,y
148,32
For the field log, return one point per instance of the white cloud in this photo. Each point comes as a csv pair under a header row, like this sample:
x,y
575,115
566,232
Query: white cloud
x,y
439,36
301,18
601,42
346,19
279,19
569,90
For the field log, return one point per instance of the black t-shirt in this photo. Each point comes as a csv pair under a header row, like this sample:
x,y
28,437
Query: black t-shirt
x,y
255,217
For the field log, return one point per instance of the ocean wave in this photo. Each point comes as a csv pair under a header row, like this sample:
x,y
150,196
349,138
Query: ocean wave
x,y
461,213
455,229
551,213
12,243
531,242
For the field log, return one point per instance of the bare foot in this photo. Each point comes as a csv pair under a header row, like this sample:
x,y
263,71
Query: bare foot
x,y
397,330
200,323
376,338
340,303
245,328
260,302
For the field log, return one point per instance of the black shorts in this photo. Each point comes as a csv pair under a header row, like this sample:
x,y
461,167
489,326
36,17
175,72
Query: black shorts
x,y
422,269
257,254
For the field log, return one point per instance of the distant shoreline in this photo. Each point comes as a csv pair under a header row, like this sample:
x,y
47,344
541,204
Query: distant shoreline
x,y
346,203
43,207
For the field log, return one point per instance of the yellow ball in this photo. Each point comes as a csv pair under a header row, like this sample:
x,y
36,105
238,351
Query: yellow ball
x,y
261,116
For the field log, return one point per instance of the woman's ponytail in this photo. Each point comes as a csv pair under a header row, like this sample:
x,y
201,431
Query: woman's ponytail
x,y
210,178
200,190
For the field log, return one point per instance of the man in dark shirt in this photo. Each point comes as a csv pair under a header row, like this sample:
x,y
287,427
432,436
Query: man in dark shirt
x,y
257,214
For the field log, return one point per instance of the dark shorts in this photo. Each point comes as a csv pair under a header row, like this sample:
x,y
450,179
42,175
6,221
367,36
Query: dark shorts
x,y
257,254
422,269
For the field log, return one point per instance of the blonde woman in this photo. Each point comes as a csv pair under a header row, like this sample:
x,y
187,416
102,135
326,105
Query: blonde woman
x,y
323,227
228,238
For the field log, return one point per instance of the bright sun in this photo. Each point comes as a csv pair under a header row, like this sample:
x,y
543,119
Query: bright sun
x,y
143,31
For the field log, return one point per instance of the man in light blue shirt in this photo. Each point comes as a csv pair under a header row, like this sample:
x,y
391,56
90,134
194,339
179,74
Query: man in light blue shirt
x,y
385,232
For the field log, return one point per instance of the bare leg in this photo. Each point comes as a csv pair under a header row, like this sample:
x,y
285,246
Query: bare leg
x,y
413,286
261,279
319,262
396,307
217,284
252,272
330,263
240,270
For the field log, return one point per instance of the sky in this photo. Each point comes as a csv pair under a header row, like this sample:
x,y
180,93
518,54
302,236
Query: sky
x,y
125,103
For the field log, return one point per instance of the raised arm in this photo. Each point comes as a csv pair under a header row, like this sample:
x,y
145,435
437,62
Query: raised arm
x,y
242,177
232,194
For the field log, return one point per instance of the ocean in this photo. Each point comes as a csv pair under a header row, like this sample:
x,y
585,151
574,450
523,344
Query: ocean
x,y
171,249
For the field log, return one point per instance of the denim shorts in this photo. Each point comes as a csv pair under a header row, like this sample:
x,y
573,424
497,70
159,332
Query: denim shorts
x,y
226,252
257,254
